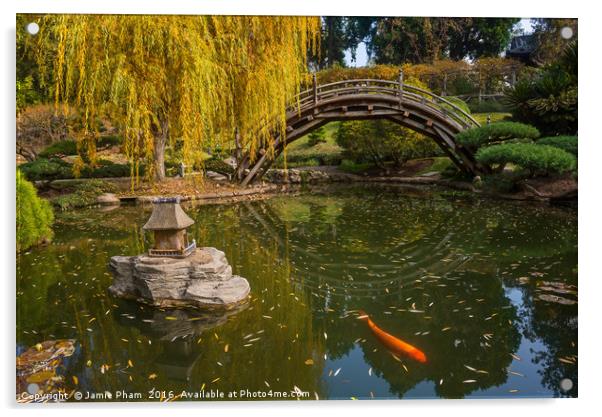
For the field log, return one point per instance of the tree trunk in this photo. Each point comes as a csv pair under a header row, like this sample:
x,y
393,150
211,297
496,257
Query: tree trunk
x,y
159,151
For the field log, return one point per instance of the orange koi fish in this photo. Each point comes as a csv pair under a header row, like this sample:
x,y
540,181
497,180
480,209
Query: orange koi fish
x,y
392,343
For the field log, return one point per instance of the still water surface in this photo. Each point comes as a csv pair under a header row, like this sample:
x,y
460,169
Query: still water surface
x,y
458,277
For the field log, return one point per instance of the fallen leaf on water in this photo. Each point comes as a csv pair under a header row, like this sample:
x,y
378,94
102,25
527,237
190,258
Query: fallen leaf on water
x,y
337,372
515,356
226,348
152,376
469,381
309,362
130,364
170,318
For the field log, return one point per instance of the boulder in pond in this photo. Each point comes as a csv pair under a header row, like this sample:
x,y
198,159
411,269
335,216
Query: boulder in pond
x,y
201,280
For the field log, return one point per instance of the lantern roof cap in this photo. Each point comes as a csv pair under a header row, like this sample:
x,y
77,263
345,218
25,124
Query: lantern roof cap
x,y
168,215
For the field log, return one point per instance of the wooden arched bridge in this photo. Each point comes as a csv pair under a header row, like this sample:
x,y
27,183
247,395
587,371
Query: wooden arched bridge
x,y
409,106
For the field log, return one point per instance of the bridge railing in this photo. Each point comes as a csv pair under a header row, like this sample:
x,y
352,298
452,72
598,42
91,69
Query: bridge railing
x,y
404,92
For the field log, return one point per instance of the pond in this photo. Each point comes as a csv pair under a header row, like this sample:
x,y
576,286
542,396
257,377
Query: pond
x,y
469,281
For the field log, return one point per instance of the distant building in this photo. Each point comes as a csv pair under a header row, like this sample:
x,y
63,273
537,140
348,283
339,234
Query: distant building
x,y
522,48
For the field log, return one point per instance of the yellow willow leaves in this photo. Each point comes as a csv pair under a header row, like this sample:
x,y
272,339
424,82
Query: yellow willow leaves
x,y
194,78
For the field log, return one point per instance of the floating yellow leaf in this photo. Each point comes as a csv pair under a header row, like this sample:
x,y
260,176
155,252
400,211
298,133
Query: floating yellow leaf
x,y
75,380
309,362
152,376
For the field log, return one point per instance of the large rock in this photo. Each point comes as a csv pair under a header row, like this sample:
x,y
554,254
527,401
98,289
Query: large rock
x,y
108,199
202,280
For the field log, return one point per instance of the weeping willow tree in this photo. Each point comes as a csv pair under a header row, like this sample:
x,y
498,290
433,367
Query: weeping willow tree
x,y
197,79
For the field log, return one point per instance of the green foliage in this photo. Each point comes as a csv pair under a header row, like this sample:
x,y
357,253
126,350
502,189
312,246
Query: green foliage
x,y
317,136
109,140
56,169
566,143
495,132
538,159
26,94
458,102
301,153
46,169
381,141
34,215
548,99
59,149
440,164
354,167
218,165
85,194
488,106
425,39
108,169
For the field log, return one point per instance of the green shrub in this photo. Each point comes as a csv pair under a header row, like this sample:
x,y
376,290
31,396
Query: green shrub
x,y
381,141
548,98
566,143
34,215
496,132
58,149
46,169
84,194
108,169
489,106
538,159
317,136
218,165
109,140
354,167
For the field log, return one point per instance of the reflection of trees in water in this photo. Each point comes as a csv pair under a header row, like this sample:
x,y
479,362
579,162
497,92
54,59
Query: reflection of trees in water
x,y
555,326
70,300
309,261
433,237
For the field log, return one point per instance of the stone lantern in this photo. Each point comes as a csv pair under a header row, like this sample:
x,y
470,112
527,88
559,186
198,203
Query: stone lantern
x,y
175,273
169,222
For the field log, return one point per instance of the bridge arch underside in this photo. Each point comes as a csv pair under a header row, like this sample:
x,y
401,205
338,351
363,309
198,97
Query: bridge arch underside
x,y
433,123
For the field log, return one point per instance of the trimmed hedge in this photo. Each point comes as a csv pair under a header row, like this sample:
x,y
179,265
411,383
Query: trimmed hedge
x,y
219,166
566,143
57,169
34,215
496,132
536,158
46,169
108,169
69,146
58,149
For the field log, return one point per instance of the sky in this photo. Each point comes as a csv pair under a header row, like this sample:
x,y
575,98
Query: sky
x,y
361,57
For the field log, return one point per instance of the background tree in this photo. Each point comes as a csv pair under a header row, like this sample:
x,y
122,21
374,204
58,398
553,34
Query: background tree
x,y
195,78
397,40
549,43
338,35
